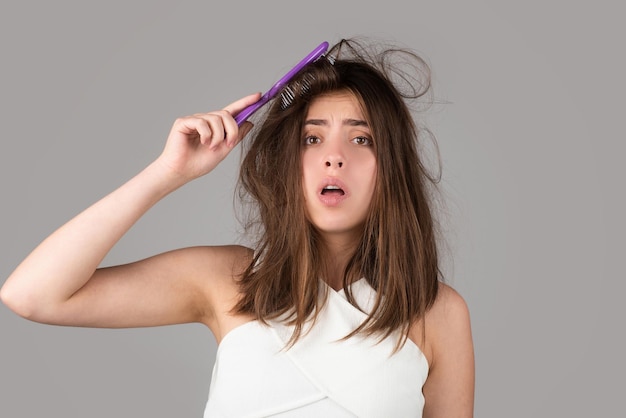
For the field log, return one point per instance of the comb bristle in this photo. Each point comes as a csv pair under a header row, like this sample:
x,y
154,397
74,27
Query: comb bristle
x,y
306,82
302,87
286,97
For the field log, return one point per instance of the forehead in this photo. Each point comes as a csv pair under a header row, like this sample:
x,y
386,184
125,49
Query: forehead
x,y
337,104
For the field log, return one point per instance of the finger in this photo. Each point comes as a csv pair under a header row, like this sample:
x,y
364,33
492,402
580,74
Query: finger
x,y
241,132
216,125
231,129
237,106
191,125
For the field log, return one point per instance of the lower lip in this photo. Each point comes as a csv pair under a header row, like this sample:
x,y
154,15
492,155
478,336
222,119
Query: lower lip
x,y
332,199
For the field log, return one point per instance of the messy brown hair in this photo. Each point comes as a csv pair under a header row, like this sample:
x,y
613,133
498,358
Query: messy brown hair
x,y
397,254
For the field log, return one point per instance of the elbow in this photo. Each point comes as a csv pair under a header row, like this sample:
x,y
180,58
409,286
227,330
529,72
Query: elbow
x,y
18,302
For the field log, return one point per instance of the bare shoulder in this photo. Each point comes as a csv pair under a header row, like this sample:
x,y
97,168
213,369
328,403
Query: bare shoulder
x,y
449,314
198,282
448,317
224,261
217,270
449,389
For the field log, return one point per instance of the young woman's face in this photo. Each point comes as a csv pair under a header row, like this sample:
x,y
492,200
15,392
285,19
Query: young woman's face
x,y
338,164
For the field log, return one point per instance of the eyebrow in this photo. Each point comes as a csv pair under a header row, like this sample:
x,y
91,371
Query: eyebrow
x,y
348,122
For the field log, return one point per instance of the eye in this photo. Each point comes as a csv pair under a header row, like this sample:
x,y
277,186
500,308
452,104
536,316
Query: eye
x,y
362,140
311,140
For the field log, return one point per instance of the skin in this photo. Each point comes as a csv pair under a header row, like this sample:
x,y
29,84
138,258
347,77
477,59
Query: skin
x,y
60,282
338,151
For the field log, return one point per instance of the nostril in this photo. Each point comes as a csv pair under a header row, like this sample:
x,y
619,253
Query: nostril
x,y
329,164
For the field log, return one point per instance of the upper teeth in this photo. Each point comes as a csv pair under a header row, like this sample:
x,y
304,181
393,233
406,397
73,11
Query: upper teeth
x,y
332,187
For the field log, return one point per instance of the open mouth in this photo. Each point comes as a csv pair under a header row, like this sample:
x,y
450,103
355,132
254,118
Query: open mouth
x,y
332,191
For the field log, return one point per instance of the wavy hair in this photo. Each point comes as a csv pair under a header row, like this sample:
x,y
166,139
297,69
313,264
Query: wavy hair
x,y
397,254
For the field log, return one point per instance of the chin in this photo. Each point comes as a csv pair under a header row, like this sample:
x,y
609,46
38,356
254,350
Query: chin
x,y
339,228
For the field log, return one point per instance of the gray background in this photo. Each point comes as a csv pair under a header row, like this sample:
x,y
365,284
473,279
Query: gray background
x,y
532,148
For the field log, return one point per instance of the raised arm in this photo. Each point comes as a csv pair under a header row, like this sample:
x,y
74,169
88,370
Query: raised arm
x,y
59,281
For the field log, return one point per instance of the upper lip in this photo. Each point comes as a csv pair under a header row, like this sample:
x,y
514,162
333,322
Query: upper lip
x,y
332,182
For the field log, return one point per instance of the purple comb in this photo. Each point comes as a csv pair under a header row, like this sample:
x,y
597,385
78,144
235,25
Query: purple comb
x,y
248,111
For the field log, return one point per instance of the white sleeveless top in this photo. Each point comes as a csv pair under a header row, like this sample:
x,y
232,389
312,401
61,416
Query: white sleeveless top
x,y
321,375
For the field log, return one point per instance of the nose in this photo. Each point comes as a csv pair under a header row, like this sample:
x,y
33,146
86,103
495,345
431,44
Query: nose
x,y
334,155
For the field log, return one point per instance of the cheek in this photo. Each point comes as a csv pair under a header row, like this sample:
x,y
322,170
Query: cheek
x,y
370,169
373,176
305,171
308,166
372,187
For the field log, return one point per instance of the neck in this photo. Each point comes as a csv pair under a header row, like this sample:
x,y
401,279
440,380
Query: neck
x,y
338,252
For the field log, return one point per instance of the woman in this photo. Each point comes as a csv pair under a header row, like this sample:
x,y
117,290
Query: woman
x,y
339,309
